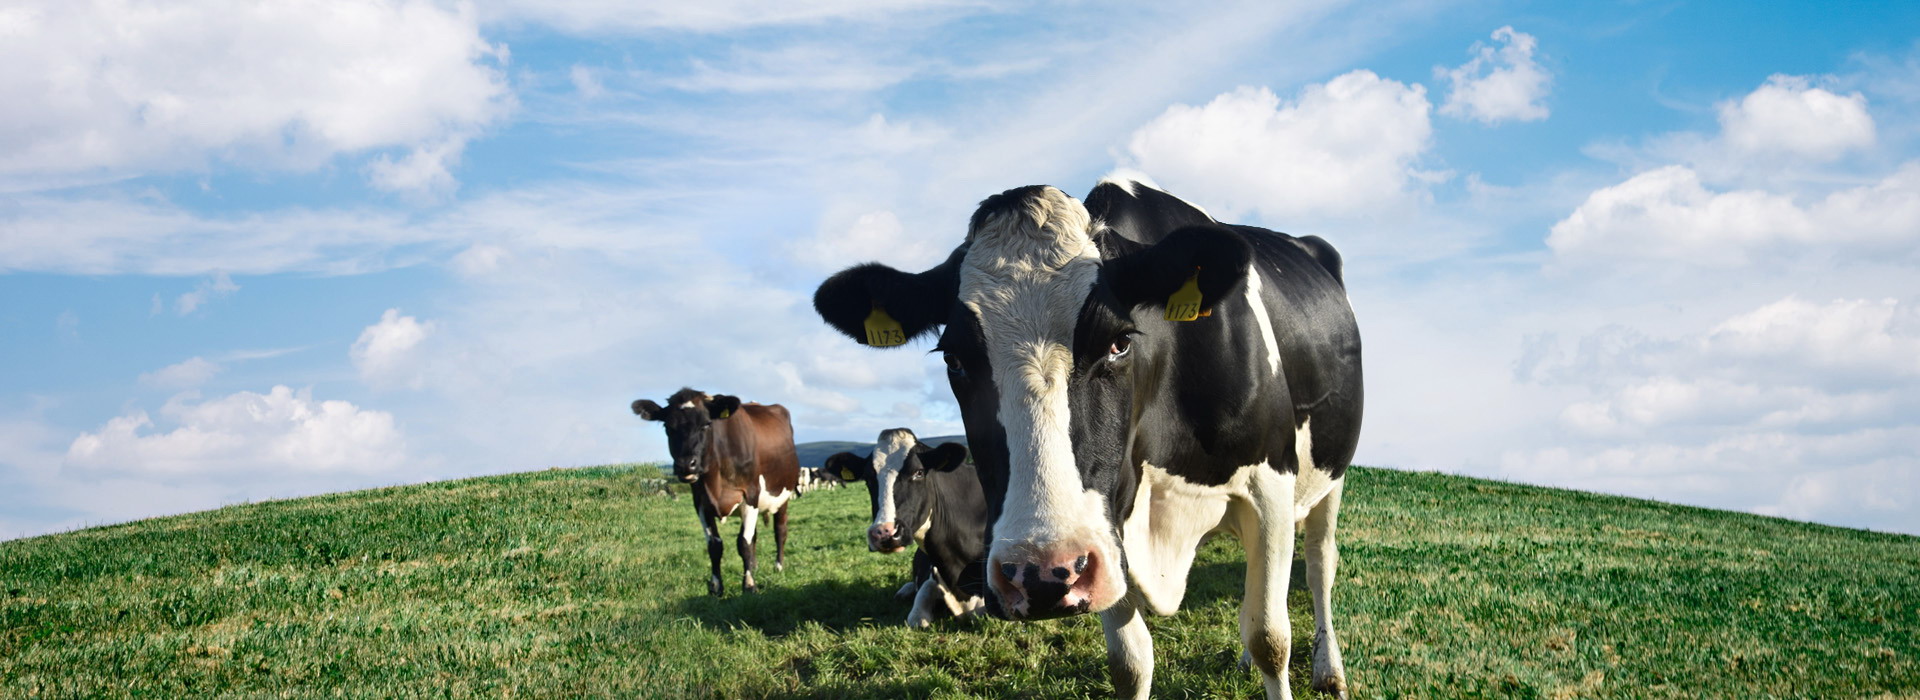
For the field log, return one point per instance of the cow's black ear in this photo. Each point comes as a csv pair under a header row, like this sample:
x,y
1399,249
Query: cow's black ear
x,y
917,302
847,465
1149,276
945,458
646,409
722,407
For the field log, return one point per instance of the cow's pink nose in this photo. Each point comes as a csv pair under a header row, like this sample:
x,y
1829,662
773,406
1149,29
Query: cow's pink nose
x,y
884,538
1053,585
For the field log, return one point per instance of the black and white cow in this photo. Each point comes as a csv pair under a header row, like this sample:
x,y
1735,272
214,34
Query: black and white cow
x,y
1110,439
931,496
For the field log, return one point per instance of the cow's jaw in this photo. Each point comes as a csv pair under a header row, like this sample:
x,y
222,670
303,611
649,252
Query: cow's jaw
x,y
1029,271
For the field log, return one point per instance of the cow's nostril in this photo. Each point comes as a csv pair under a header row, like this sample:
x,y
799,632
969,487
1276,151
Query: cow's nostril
x,y
1061,572
1008,571
1079,565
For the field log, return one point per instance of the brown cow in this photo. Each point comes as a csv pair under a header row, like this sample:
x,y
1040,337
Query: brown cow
x,y
740,457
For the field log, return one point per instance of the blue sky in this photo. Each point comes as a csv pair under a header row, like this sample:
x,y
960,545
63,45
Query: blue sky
x,y
254,250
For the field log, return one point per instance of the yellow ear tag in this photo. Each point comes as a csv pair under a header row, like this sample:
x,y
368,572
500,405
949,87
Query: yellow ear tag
x,y
846,474
725,414
883,331
1184,305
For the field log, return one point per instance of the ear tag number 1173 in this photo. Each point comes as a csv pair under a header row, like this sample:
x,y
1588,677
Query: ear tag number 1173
x,y
883,331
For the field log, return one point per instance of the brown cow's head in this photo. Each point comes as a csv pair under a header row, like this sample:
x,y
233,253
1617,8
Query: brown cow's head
x,y
689,417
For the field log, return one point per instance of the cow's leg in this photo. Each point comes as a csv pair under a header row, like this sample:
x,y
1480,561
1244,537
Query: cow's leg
x,y
715,549
780,539
749,517
1129,649
930,598
1265,524
1323,559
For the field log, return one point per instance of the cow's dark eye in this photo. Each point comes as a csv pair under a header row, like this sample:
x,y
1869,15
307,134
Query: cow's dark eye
x,y
918,475
1120,348
954,367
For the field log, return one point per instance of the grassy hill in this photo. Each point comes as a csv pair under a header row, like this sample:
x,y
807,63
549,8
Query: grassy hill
x,y
590,582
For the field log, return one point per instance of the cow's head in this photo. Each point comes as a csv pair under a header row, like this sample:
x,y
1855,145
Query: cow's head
x,y
881,472
689,417
913,492
1051,328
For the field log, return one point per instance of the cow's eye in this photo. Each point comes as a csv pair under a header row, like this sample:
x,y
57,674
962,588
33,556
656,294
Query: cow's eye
x,y
1120,348
954,367
918,475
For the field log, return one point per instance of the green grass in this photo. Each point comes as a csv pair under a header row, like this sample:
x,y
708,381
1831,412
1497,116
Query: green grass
x,y
591,582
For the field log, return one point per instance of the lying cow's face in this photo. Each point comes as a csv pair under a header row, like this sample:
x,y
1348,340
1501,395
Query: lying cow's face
x,y
689,420
1046,354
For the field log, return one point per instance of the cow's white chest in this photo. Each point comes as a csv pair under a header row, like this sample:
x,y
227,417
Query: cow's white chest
x,y
771,501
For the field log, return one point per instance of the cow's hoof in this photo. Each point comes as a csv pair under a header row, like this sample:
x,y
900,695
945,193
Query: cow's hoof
x,y
1334,686
715,590
907,592
1246,660
779,566
750,588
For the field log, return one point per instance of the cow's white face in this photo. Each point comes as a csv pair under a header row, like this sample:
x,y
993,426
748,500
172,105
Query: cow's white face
x,y
1024,281
889,454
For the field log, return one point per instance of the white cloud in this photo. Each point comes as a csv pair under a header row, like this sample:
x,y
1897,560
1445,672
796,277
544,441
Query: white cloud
x,y
604,16
479,259
795,69
281,432
1669,214
219,285
119,235
425,172
385,351
874,235
1788,409
1499,83
187,374
1788,116
1341,148
100,88
586,82
1853,338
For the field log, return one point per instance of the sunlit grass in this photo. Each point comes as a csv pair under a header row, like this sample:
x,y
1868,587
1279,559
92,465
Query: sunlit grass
x,y
591,582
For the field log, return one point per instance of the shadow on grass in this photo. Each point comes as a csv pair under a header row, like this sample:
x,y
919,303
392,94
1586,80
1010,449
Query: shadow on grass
x,y
777,610
868,688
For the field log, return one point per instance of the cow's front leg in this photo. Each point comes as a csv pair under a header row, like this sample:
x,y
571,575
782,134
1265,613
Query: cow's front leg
x,y
1129,648
1265,525
749,517
715,550
930,594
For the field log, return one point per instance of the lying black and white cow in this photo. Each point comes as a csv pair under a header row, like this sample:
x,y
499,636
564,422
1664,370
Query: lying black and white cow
x,y
932,496
1133,375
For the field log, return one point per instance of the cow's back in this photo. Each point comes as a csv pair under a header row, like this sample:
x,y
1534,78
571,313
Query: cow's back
x,y
776,459
1318,338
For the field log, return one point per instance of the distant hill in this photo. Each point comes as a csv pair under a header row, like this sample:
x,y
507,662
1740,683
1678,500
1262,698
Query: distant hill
x,y
814,454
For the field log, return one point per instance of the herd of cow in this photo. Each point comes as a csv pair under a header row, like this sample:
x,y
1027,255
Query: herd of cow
x,y
1132,376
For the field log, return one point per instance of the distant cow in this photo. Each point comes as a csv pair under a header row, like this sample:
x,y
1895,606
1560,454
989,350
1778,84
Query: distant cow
x,y
1133,375
740,458
816,479
932,496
